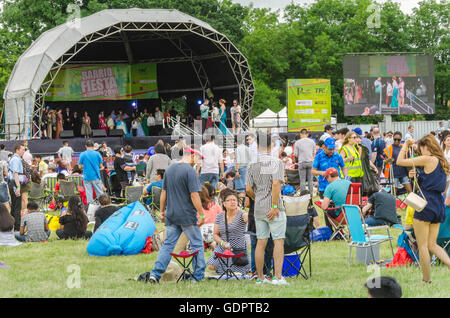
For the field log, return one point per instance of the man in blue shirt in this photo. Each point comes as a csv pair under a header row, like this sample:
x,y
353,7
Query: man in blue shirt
x,y
16,178
158,183
91,162
180,195
328,158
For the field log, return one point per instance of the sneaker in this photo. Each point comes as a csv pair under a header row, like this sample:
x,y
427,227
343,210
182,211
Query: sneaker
x,y
153,280
282,281
259,281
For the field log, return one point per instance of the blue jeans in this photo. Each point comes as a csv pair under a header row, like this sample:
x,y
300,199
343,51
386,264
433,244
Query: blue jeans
x,y
173,232
23,238
92,184
212,178
240,182
371,221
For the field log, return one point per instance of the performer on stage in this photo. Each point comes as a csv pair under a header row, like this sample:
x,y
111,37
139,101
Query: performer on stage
x,y
394,103
59,123
86,126
401,92
67,116
223,116
102,122
76,125
144,118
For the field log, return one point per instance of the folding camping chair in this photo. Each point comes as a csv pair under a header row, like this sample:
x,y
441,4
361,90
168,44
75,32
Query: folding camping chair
x,y
184,256
50,184
359,237
133,194
39,194
226,260
292,177
338,222
297,244
78,180
68,189
156,202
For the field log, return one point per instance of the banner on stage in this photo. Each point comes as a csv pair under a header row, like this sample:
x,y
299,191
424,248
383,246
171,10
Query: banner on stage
x,y
309,104
104,82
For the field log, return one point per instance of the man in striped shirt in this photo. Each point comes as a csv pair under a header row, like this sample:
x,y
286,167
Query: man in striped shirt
x,y
263,185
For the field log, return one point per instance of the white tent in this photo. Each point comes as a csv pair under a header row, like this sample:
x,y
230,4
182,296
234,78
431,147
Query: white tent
x,y
265,120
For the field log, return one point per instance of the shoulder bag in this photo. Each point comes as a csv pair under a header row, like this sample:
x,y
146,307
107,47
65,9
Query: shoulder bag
x,y
413,200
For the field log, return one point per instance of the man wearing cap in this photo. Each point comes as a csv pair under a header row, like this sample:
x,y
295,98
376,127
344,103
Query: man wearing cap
x,y
180,204
213,160
328,132
336,191
328,158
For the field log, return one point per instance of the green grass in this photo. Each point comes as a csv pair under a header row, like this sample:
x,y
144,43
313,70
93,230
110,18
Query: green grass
x,y
41,270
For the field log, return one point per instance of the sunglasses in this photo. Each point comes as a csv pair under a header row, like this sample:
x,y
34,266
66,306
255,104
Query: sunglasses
x,y
395,139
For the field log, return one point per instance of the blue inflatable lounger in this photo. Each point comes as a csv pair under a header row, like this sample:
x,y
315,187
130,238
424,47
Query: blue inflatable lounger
x,y
123,233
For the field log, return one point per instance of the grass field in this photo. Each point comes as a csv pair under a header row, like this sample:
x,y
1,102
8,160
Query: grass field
x,y
48,270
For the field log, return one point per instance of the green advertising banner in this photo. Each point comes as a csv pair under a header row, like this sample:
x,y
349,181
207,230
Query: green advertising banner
x,y
104,82
309,104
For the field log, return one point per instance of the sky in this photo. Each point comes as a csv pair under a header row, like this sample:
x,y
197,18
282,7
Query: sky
x,y
405,5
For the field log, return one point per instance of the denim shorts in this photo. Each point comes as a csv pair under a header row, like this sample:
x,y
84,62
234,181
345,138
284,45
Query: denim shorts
x,y
402,180
239,183
4,193
277,227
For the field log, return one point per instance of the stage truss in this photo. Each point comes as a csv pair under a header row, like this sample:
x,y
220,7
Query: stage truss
x,y
171,32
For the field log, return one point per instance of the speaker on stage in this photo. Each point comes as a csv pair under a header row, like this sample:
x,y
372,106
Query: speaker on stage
x,y
66,134
116,133
98,133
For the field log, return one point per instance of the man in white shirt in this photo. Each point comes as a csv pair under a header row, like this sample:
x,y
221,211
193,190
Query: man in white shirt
x,y
253,146
410,133
65,153
151,125
213,158
51,173
242,157
328,133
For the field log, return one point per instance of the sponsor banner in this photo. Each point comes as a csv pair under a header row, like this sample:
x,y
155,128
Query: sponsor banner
x,y
309,104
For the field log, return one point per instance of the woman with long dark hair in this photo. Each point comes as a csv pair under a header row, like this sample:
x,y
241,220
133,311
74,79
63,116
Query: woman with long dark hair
x,y
74,221
432,169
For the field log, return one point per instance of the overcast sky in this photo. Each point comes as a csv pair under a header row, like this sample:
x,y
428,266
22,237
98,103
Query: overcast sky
x,y
405,5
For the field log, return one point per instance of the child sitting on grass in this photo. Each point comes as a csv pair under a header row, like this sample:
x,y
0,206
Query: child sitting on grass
x,y
74,221
33,225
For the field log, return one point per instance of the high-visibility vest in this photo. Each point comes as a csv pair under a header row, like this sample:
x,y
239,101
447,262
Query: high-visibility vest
x,y
354,167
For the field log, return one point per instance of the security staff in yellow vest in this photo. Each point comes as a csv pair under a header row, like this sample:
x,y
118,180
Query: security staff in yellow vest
x,y
351,154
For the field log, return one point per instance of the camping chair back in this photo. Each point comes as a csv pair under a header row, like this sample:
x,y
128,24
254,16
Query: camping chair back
x,y
133,193
68,188
140,169
51,183
37,191
156,194
292,176
78,180
444,228
354,194
355,225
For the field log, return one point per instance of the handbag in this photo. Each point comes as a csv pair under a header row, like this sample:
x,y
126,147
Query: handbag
x,y
413,200
238,261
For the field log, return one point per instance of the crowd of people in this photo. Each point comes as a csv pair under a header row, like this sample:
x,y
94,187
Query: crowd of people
x,y
211,197
137,123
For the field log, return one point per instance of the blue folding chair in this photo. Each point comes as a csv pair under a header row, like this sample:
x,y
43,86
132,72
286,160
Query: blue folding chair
x,y
360,238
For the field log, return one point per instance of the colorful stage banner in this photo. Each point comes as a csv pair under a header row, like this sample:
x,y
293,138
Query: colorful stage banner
x,y
309,104
104,82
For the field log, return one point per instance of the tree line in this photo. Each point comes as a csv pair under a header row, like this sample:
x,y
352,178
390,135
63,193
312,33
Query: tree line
x,y
300,41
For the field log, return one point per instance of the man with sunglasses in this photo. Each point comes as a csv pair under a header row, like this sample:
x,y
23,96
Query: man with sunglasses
x,y
400,174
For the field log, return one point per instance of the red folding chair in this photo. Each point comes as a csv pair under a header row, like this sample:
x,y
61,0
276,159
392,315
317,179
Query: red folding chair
x,y
184,256
338,221
226,260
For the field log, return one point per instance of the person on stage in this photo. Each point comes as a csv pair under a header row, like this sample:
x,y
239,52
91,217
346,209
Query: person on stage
x,y
86,126
102,122
223,116
67,116
158,120
59,123
401,92
144,118
236,117
76,124
378,86
394,103
151,125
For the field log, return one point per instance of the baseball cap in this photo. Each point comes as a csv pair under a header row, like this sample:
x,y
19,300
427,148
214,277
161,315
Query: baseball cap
x,y
188,149
358,131
330,171
328,127
330,143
